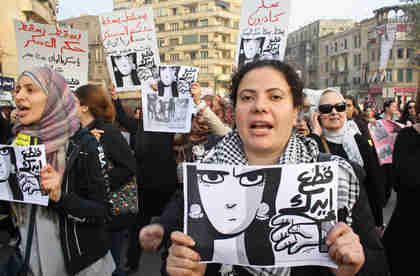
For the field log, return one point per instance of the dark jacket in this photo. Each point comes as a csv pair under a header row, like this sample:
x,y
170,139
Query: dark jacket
x,y
363,225
5,130
122,165
156,165
375,179
82,209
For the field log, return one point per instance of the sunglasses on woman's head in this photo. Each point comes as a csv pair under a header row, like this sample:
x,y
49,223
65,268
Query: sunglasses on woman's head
x,y
327,108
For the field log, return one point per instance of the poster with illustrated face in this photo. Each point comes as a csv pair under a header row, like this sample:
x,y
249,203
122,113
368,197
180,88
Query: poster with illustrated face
x,y
20,174
262,216
263,30
130,47
61,48
169,109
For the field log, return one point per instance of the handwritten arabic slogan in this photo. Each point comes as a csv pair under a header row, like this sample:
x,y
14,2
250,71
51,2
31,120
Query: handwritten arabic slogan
x,y
263,30
130,47
262,216
170,109
60,48
384,133
19,174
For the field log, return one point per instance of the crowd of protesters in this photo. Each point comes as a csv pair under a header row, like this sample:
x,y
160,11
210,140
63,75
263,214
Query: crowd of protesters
x,y
87,156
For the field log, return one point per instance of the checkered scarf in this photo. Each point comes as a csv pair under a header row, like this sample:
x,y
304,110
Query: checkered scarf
x,y
299,149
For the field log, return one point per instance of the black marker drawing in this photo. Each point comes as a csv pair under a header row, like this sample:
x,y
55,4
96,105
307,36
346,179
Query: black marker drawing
x,y
125,70
167,84
250,49
231,207
20,170
8,172
261,216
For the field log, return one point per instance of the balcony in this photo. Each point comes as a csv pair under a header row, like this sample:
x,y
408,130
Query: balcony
x,y
222,29
38,11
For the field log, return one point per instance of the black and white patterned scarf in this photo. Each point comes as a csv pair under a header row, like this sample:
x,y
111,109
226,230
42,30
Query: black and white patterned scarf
x,y
299,149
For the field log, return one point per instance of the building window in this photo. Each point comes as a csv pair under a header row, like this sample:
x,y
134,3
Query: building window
x,y
410,52
204,38
326,83
204,54
174,27
204,22
372,56
335,47
204,84
326,67
190,39
161,42
388,76
204,69
400,75
326,50
193,55
409,75
162,57
147,2
204,7
174,11
400,53
345,43
390,54
174,57
160,27
174,41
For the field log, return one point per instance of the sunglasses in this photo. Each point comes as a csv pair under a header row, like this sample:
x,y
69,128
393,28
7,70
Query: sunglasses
x,y
327,108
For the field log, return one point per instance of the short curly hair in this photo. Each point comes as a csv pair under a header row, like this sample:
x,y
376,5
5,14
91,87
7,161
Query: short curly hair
x,y
289,73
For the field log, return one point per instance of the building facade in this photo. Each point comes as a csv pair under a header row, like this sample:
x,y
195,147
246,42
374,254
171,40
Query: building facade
x,y
341,60
303,49
38,11
400,79
199,33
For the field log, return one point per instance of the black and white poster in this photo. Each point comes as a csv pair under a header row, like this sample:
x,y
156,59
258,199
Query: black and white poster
x,y
20,174
169,109
262,216
263,30
130,46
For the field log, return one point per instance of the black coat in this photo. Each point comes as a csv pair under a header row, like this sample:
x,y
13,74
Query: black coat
x,y
401,235
375,179
123,167
5,130
156,165
83,211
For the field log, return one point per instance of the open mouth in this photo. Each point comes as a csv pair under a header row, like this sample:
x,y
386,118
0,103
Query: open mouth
x,y
261,125
232,219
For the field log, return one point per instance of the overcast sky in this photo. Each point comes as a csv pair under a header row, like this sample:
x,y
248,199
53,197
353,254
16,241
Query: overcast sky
x,y
304,11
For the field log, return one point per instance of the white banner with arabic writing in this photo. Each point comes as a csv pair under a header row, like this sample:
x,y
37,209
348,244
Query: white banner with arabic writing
x,y
387,34
261,216
130,46
263,30
60,48
20,174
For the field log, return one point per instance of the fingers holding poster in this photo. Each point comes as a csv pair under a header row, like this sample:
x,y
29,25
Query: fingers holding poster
x,y
130,47
58,47
261,216
263,30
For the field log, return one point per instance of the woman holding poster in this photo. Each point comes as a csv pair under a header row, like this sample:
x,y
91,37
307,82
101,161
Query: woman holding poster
x,y
68,236
267,96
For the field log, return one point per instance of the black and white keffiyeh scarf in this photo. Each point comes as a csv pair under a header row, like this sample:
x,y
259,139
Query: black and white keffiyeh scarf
x,y
299,149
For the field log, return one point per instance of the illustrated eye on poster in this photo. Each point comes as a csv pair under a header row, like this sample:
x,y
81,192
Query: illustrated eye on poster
x,y
170,108
263,216
20,174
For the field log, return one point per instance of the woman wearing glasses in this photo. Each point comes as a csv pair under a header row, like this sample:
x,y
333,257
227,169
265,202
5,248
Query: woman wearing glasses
x,y
335,135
